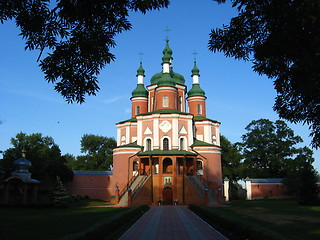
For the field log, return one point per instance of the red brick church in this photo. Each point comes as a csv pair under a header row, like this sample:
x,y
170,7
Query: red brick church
x,y
168,151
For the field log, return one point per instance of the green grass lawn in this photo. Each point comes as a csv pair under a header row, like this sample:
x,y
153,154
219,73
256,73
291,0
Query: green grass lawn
x,y
52,223
283,217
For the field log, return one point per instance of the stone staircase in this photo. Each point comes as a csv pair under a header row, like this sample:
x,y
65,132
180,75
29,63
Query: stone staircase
x,y
201,187
135,187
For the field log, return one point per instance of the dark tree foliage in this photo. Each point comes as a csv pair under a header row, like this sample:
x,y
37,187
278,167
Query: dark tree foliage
x,y
230,160
301,180
268,149
282,40
78,34
98,153
42,152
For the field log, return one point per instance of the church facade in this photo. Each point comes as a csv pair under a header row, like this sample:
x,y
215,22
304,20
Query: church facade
x,y
168,151
174,149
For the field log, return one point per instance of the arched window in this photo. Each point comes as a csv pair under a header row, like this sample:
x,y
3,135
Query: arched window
x,y
165,144
165,101
148,145
199,167
135,167
137,110
167,165
182,144
199,109
180,103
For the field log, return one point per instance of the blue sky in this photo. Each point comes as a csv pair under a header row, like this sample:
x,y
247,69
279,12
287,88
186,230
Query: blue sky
x,y
235,94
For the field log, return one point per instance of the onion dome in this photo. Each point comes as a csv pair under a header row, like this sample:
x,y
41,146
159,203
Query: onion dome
x,y
140,90
195,70
166,80
196,91
178,78
22,166
167,53
140,71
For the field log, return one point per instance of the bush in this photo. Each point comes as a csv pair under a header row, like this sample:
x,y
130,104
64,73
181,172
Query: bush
x,y
111,228
234,229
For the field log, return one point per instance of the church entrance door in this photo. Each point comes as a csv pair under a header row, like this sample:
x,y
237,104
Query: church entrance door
x,y
167,196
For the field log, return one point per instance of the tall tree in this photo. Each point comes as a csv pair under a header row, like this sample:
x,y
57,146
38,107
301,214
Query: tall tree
x,y
268,148
282,40
301,180
42,152
78,34
98,153
231,160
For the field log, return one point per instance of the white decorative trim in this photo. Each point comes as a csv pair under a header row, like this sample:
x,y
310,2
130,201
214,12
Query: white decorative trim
x,y
156,132
170,142
175,126
165,126
207,133
118,136
139,133
145,143
190,132
127,134
147,131
183,130
185,143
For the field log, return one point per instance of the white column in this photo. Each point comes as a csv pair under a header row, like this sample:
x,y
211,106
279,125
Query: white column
x,y
207,133
226,189
140,79
156,132
139,133
195,79
118,136
218,135
127,134
190,132
175,131
248,187
166,68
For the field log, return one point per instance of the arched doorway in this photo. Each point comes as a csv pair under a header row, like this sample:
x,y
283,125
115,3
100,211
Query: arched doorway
x,y
167,166
167,196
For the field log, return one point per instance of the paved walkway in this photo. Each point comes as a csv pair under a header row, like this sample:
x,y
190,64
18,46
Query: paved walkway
x,y
171,222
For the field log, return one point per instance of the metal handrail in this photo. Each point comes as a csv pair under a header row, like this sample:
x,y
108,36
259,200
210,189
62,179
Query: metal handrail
x,y
142,181
127,186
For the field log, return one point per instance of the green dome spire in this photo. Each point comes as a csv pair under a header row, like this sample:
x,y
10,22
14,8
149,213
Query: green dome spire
x,y
167,53
195,70
196,89
140,70
140,91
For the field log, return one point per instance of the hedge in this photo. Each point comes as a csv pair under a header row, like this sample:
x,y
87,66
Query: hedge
x,y
112,228
233,228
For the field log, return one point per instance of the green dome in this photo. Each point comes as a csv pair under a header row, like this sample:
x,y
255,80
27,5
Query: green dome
x,y
167,53
140,70
178,78
140,91
195,70
166,80
196,91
